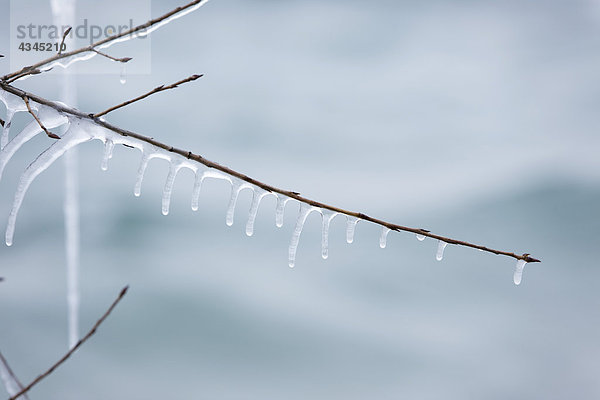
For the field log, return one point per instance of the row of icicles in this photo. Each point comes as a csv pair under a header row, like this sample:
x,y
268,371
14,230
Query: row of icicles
x,y
83,130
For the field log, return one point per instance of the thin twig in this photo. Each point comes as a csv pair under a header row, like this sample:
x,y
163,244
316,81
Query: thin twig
x,y
123,60
50,134
77,345
2,122
160,88
10,371
11,77
294,195
63,39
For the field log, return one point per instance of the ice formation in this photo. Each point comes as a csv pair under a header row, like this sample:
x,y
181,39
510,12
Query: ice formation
x,y
518,275
81,130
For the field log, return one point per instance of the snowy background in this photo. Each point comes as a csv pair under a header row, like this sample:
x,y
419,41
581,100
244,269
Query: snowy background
x,y
474,119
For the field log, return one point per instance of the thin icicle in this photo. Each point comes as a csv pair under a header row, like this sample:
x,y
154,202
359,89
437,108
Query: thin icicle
x,y
257,196
327,217
279,211
137,190
72,138
440,250
200,175
123,74
168,190
350,228
383,237
305,209
518,275
108,151
420,238
11,383
236,187
49,117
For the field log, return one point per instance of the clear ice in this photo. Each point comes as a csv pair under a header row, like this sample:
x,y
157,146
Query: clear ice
x,y
327,217
303,213
350,228
518,275
440,250
383,237
257,196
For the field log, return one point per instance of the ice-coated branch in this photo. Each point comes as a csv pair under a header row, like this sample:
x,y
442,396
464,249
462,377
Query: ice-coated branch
x,y
48,133
121,60
10,380
155,90
351,215
140,30
78,345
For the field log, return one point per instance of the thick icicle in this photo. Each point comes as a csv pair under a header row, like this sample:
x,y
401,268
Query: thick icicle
x,y
279,211
257,196
74,136
383,237
327,217
108,151
137,190
236,187
168,190
350,228
49,117
440,250
200,175
518,275
420,238
305,209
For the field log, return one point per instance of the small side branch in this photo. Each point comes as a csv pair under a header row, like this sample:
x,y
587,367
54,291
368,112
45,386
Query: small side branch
x,y
77,346
123,60
62,42
50,134
160,88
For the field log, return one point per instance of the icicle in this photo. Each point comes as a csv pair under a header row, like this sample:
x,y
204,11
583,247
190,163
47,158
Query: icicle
x,y
137,190
49,117
305,209
440,250
72,138
420,238
256,198
11,383
123,75
518,275
6,128
236,187
350,227
168,190
200,175
383,237
327,217
108,151
281,201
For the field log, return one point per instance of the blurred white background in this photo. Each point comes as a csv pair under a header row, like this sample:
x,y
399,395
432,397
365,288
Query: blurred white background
x,y
474,119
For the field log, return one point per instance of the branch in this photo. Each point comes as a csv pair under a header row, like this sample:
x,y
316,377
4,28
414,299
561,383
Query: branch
x,y
294,195
70,352
155,90
123,60
29,70
50,134
63,39
11,374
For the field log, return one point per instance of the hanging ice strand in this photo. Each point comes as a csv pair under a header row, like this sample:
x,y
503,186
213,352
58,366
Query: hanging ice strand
x,y
108,151
168,190
440,250
518,275
200,175
123,75
350,228
327,217
279,211
256,198
236,188
383,237
137,190
305,209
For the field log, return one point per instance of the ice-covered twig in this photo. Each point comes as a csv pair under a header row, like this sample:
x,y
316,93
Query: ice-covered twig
x,y
11,382
140,30
421,233
64,37
50,134
155,90
78,345
121,60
